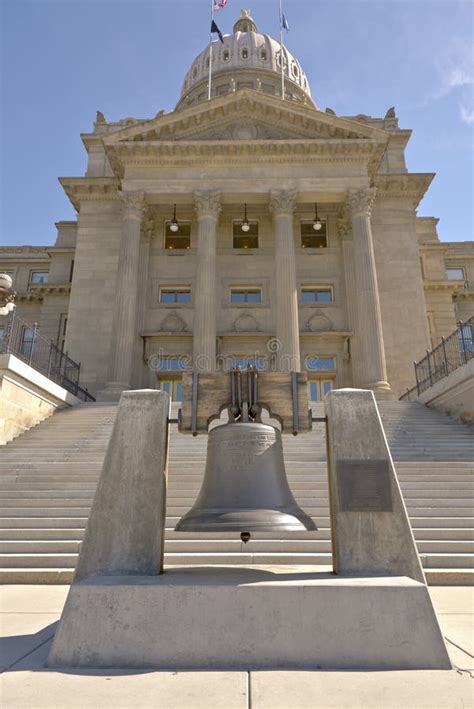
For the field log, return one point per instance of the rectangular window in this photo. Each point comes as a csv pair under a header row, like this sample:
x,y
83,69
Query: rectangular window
x,y
312,238
318,388
71,271
27,341
316,295
175,295
62,331
2,335
245,295
38,277
180,239
455,274
245,239
320,363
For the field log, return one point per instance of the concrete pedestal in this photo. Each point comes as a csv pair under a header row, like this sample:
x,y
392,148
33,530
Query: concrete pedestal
x,y
249,618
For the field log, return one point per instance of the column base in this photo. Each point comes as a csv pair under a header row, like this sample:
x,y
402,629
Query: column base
x,y
382,391
112,391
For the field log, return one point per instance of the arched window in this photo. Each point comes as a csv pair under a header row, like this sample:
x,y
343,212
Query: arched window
x,y
226,55
264,55
245,53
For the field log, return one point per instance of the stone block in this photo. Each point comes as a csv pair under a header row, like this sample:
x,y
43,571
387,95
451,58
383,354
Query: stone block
x,y
125,531
249,619
371,531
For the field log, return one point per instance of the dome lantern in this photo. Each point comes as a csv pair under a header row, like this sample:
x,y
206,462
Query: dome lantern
x,y
245,23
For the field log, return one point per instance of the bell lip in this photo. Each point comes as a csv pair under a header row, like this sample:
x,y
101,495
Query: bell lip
x,y
294,523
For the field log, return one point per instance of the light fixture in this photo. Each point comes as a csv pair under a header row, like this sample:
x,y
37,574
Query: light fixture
x,y
245,224
317,224
174,226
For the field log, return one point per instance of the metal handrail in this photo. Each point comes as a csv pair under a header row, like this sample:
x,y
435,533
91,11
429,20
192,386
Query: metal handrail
x,y
451,353
24,340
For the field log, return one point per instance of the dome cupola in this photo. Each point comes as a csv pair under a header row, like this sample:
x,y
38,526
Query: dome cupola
x,y
246,59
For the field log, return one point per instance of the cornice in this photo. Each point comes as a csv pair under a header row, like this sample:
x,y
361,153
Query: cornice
x,y
29,297
34,251
328,334
235,105
463,294
409,185
49,288
90,189
441,285
215,153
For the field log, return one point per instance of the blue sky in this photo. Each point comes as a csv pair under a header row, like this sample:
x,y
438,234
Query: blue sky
x,y
61,60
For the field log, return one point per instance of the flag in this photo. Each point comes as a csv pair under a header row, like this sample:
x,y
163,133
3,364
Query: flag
x,y
216,30
284,22
219,5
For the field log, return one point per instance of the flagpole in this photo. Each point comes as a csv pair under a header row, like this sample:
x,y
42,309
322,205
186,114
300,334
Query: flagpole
x,y
210,53
281,55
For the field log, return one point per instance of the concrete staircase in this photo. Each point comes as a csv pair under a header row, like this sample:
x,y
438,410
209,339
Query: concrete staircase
x,y
49,474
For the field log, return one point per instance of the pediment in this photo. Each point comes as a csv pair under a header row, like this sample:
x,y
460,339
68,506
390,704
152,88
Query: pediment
x,y
244,116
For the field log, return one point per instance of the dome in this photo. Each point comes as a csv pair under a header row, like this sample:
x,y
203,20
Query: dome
x,y
246,59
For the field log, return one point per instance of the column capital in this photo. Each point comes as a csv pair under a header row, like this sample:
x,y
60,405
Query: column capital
x,y
344,226
207,203
282,202
132,204
361,200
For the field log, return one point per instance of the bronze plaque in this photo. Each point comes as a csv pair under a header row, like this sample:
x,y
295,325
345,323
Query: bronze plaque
x,y
364,486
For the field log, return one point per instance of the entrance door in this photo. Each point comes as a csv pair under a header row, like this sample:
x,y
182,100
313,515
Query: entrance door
x,y
173,387
318,388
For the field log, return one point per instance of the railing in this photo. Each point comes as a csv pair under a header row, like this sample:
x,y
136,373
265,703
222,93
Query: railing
x,y
450,354
23,340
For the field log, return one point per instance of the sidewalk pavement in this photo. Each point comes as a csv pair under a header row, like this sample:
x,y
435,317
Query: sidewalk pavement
x,y
28,617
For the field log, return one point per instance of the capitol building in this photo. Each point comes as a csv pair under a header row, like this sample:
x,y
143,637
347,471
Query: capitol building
x,y
248,227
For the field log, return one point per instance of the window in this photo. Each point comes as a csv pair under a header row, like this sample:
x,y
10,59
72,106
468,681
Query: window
x,y
38,277
245,295
316,295
311,239
71,271
264,55
226,55
173,387
2,336
27,341
62,331
175,295
294,70
245,53
180,239
318,388
320,363
455,274
245,239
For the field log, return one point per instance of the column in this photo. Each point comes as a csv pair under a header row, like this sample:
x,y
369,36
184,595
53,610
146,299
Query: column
x,y
282,204
142,378
345,234
369,335
207,206
126,296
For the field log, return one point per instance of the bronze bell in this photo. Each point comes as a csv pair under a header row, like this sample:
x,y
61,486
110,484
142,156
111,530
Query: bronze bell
x,y
245,488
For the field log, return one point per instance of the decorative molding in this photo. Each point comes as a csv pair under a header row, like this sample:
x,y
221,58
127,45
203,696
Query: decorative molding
x,y
282,202
49,288
90,189
319,322
173,323
440,285
246,323
240,152
344,226
207,203
408,186
361,201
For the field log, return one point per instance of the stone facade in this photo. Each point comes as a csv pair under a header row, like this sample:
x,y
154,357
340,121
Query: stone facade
x,y
356,309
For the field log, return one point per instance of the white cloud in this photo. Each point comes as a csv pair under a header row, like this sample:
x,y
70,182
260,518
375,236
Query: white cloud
x,y
467,115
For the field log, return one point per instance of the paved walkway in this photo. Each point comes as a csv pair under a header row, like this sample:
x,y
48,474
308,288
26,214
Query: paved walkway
x,y
27,623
